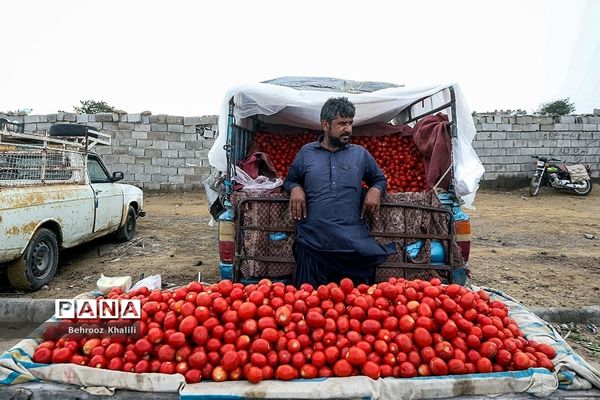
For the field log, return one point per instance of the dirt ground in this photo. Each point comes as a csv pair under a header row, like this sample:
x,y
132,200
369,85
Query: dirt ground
x,y
544,251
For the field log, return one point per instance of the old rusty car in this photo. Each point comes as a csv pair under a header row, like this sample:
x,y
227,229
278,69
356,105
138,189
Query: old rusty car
x,y
55,193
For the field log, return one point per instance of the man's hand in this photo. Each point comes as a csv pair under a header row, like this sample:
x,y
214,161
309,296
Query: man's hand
x,y
371,203
298,203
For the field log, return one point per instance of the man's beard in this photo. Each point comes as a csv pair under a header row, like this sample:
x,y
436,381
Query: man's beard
x,y
335,141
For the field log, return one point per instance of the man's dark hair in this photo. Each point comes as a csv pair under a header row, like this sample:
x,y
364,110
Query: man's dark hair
x,y
335,106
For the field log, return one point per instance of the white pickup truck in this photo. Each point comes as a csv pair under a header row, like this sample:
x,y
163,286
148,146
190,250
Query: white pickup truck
x,y
56,193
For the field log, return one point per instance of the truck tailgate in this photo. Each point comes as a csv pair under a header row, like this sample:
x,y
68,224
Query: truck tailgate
x,y
265,233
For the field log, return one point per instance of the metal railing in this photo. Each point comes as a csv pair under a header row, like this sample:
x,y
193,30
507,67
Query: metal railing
x,y
34,158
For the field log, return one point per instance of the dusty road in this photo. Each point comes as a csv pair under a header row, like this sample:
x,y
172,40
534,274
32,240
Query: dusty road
x,y
534,249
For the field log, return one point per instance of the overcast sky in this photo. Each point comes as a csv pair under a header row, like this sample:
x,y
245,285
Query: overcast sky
x,y
179,57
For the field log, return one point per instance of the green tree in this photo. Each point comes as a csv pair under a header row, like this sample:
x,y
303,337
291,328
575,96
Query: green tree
x,y
93,107
558,107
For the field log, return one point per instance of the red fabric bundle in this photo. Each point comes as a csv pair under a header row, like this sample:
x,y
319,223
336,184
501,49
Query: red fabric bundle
x,y
258,164
431,137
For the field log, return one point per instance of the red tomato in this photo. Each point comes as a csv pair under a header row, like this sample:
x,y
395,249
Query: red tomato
x,y
286,373
198,359
484,365
115,364
547,350
356,356
42,355
438,366
193,376
342,368
62,355
521,360
308,371
422,337
98,361
219,374
456,367
177,339
254,374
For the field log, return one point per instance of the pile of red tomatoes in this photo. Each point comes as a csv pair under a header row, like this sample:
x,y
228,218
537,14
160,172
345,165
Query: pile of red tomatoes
x,y
396,155
228,331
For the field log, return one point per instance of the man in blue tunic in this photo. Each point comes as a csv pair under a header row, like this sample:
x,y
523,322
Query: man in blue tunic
x,y
328,202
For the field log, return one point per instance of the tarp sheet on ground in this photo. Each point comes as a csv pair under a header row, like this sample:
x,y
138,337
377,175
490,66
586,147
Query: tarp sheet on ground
x,y
572,372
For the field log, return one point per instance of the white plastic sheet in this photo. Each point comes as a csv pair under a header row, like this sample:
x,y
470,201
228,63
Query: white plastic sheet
x,y
260,184
105,283
283,105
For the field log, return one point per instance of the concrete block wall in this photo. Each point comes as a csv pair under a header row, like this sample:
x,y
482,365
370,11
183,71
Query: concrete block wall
x,y
164,152
505,144
155,152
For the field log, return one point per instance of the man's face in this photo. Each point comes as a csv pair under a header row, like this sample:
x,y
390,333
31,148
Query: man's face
x,y
339,131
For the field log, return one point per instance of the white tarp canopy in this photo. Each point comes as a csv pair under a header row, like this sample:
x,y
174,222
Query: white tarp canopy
x,y
278,104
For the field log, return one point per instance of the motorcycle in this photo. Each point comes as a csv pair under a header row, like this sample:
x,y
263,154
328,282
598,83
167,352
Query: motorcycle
x,y
558,175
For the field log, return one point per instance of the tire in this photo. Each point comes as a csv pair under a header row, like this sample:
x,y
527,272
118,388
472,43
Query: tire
x,y
71,130
534,188
584,191
127,231
37,266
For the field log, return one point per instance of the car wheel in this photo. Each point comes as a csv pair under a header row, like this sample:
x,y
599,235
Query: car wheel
x,y
127,231
37,266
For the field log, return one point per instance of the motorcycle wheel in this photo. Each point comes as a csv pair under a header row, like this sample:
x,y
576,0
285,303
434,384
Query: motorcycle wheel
x,y
585,190
534,188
